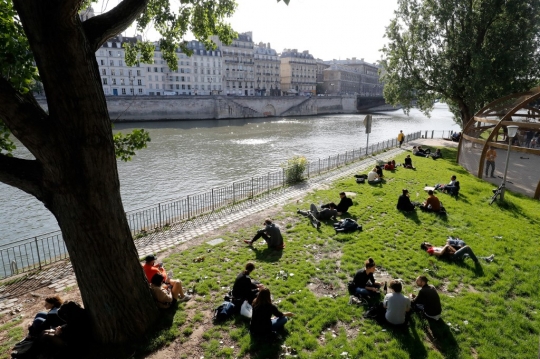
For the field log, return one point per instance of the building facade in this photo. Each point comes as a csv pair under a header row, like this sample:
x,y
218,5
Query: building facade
x,y
238,65
298,72
342,80
267,71
369,84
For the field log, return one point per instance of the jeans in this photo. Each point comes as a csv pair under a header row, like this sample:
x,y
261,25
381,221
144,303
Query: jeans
x,y
488,164
278,323
464,251
260,233
363,292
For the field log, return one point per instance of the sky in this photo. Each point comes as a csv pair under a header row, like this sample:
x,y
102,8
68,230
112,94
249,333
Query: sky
x,y
328,29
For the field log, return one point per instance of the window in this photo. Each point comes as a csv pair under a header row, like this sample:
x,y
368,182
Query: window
x,y
161,68
131,91
113,72
105,81
122,72
188,79
170,87
183,79
138,72
102,62
196,71
156,78
120,63
114,81
155,69
122,82
149,69
150,86
104,72
202,87
177,87
106,90
150,77
118,53
182,70
183,87
177,78
163,78
100,52
189,87
110,52
157,86
139,82
123,91
140,91
111,62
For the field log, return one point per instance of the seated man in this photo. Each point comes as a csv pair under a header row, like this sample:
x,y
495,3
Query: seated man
x,y
408,162
404,202
151,268
373,177
452,187
161,292
342,206
437,154
244,287
391,165
324,214
456,136
270,233
451,253
427,301
396,304
431,204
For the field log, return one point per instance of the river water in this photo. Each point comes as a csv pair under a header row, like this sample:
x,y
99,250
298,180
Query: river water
x,y
186,157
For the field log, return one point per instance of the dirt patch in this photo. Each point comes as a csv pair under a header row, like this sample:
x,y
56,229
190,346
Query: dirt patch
x,y
322,289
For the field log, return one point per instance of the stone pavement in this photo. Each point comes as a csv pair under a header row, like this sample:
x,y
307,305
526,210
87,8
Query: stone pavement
x,y
60,276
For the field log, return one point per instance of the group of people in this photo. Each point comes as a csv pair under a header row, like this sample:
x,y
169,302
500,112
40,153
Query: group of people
x,y
396,307
432,203
327,211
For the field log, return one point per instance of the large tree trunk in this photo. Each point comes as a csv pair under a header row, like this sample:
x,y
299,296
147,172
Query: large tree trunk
x,y
79,184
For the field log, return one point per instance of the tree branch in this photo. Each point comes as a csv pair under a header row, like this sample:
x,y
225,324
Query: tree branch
x,y
23,115
102,27
25,175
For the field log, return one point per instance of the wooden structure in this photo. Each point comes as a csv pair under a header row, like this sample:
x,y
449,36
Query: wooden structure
x,y
488,129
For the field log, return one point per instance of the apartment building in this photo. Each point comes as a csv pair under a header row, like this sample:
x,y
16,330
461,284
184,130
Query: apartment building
x,y
298,72
238,65
369,85
267,70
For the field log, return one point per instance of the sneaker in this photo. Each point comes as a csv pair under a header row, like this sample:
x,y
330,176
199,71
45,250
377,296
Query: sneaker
x,y
248,242
490,258
185,298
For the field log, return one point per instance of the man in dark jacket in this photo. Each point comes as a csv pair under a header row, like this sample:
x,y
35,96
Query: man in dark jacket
x,y
427,300
342,206
270,233
244,287
317,215
404,202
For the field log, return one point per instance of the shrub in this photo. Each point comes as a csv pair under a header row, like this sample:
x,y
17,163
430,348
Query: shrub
x,y
294,169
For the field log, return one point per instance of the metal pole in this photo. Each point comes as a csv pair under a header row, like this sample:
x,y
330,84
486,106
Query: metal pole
x,y
159,208
506,168
367,144
213,200
233,194
37,251
188,211
252,189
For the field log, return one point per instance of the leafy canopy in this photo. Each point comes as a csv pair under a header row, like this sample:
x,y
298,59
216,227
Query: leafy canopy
x,y
465,52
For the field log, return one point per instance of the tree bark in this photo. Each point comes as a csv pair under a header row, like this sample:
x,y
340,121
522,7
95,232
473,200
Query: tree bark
x,y
79,177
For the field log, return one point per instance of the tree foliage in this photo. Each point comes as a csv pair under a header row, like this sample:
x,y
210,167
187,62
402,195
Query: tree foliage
x,y
464,52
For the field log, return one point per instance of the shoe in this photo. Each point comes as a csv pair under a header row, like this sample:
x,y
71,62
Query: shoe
x,y
249,243
490,258
297,211
185,298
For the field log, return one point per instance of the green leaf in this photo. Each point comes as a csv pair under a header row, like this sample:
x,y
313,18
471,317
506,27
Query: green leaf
x,y
126,145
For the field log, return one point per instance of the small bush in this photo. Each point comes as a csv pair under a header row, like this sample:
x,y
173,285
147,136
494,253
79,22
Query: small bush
x,y
294,169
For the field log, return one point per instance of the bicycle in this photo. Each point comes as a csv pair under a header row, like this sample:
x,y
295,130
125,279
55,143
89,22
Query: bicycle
x,y
497,191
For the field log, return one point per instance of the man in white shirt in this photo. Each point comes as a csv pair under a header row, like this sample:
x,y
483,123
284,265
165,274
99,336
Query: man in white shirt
x,y
373,177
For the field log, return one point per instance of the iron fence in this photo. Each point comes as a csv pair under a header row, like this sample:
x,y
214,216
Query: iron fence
x,y
33,253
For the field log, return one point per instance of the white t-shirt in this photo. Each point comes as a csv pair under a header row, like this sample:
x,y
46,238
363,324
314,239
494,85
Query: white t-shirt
x,y
372,176
396,306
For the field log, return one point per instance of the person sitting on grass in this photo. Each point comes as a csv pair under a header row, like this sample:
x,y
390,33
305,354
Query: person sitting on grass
x,y
270,233
162,294
396,304
175,286
373,177
46,320
450,188
427,301
451,253
404,202
390,166
244,287
317,215
262,325
365,283
408,162
431,204
437,154
343,205
419,151
379,171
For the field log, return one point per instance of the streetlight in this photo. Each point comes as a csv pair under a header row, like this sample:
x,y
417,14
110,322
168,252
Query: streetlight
x,y
512,130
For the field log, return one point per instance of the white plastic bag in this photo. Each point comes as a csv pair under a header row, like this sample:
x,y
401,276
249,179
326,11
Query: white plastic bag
x,y
246,309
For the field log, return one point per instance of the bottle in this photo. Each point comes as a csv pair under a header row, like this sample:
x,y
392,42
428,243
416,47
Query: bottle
x,y
385,288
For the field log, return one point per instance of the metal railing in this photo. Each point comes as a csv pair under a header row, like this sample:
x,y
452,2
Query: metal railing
x,y
33,253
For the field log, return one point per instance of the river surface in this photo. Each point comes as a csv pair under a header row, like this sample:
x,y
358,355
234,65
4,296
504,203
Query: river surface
x,y
187,157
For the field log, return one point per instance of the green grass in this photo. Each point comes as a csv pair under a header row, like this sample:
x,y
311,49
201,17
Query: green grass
x,y
499,300
10,333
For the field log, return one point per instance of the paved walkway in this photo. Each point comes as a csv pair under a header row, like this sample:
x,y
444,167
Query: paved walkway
x,y
61,276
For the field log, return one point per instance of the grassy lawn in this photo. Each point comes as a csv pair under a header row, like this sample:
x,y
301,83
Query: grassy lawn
x,y
489,311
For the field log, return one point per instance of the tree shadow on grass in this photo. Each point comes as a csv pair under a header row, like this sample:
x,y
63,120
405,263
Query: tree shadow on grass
x,y
441,337
268,254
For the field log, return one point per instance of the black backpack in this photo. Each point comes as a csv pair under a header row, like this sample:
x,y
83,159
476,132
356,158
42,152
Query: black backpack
x,y
223,312
347,225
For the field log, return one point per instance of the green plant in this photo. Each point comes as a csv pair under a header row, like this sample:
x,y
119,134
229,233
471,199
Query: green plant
x,y
294,169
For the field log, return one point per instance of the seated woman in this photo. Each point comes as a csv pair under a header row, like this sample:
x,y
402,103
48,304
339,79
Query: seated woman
x,y
379,171
162,294
390,166
437,154
244,287
396,304
262,324
408,162
365,283
373,177
46,320
404,202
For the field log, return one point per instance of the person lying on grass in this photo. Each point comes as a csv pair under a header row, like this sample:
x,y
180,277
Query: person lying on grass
x,y
365,283
317,215
262,324
427,301
270,233
343,205
244,287
451,253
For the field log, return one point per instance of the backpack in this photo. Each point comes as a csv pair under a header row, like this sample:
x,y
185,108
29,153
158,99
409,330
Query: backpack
x,y
351,287
361,180
347,225
223,312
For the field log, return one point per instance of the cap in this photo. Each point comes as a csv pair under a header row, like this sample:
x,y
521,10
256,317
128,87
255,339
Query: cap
x,y
150,258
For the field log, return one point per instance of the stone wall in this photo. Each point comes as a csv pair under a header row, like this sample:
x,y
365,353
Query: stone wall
x,y
144,108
